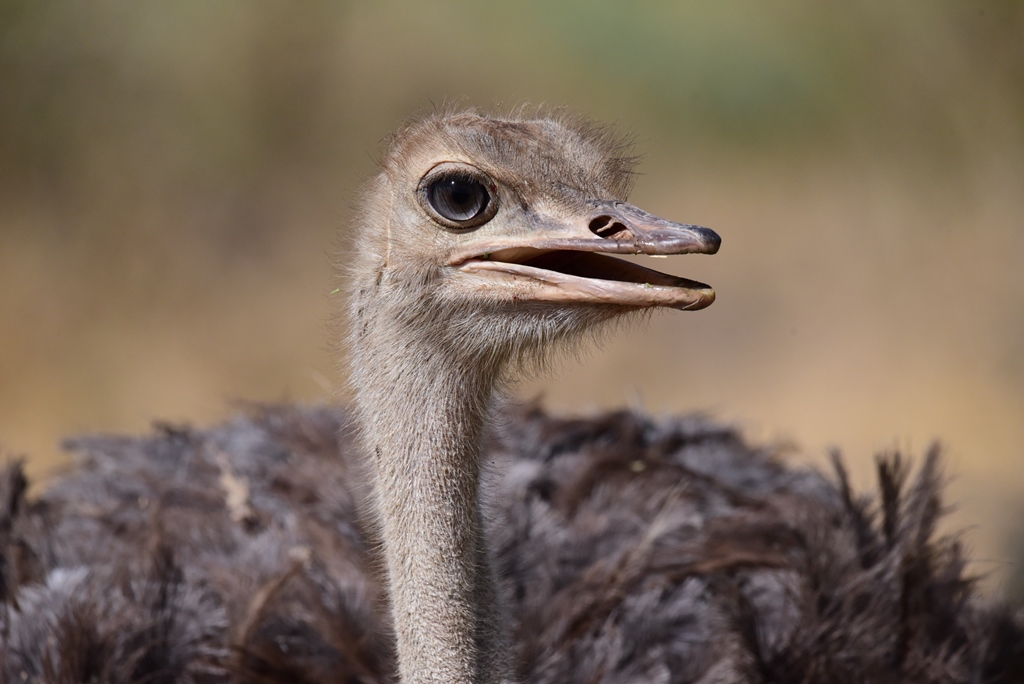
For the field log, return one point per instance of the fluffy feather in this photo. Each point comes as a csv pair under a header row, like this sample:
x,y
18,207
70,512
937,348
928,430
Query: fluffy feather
x,y
628,550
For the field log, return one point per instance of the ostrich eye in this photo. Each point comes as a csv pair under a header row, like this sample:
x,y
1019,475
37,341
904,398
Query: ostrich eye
x,y
459,199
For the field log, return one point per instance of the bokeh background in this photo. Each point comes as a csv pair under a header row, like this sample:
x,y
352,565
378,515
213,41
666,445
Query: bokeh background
x,y
176,180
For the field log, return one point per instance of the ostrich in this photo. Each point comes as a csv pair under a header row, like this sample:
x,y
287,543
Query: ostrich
x,y
433,533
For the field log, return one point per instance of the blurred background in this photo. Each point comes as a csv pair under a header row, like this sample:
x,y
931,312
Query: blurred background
x,y
176,181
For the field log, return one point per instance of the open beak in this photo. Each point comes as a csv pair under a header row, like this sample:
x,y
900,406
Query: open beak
x,y
567,261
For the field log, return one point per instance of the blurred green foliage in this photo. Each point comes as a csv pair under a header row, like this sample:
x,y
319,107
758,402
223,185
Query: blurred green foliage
x,y
193,93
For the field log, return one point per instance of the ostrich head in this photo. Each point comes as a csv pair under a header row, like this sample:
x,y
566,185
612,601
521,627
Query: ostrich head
x,y
497,236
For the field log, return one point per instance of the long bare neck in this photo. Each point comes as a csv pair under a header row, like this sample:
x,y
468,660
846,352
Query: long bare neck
x,y
422,411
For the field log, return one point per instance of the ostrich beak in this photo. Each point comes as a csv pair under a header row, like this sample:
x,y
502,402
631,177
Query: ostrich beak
x,y
565,259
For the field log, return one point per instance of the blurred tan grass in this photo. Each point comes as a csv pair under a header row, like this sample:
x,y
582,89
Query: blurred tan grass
x,y
174,180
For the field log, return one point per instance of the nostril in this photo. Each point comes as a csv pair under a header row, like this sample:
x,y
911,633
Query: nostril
x,y
599,224
606,227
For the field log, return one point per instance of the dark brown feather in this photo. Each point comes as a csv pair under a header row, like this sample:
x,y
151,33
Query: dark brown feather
x,y
628,548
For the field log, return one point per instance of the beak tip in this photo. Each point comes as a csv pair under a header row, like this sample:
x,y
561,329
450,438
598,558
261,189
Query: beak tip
x,y
712,242
707,298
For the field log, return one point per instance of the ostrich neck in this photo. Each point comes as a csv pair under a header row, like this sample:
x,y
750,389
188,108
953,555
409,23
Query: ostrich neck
x,y
422,413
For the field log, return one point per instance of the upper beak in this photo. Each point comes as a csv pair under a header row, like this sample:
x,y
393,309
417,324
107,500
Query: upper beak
x,y
563,260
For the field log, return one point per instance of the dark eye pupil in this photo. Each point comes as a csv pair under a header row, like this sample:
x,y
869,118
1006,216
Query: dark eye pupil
x,y
458,199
